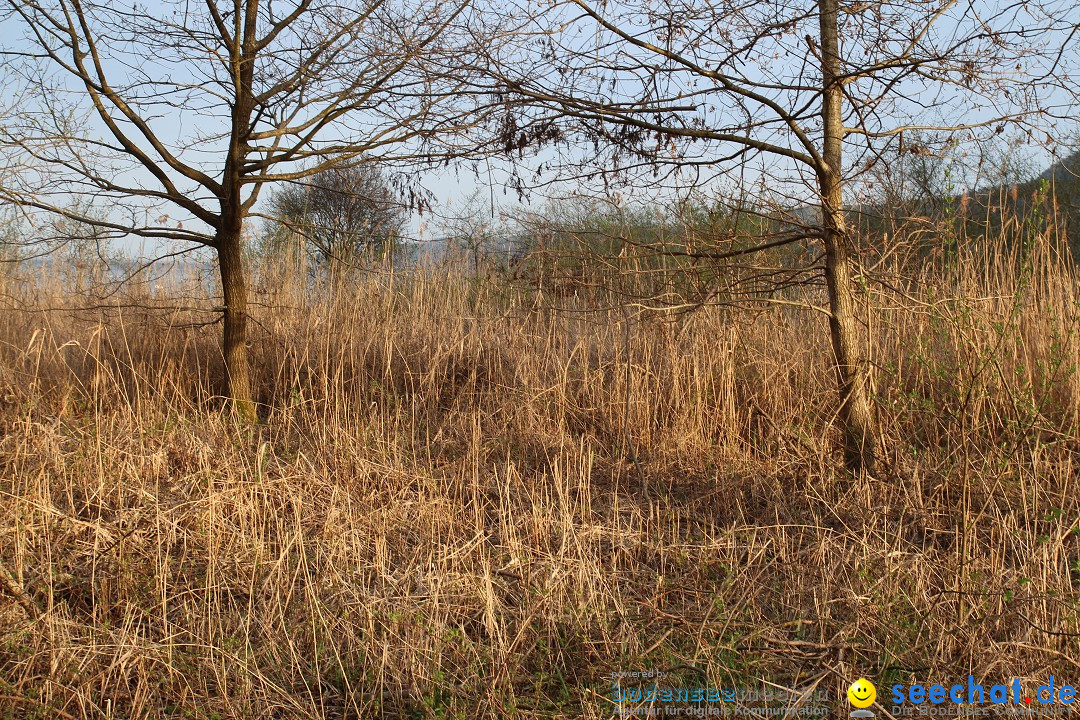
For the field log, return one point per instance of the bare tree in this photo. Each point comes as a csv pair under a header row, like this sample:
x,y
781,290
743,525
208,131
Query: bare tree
x,y
176,115
341,214
801,96
473,230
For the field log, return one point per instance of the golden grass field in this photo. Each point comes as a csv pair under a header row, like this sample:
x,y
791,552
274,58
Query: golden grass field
x,y
462,503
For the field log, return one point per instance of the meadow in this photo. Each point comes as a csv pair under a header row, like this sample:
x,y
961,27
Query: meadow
x,y
473,498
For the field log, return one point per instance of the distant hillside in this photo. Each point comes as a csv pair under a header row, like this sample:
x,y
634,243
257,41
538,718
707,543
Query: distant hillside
x,y
1055,190
1063,172
1064,179
1061,182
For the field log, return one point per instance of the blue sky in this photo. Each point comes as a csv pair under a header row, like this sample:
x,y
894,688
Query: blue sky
x,y
451,186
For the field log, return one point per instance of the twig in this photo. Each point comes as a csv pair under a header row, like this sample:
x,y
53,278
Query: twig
x,y
8,582
50,708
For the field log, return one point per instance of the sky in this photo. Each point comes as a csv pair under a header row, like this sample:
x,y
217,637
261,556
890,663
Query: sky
x,y
486,183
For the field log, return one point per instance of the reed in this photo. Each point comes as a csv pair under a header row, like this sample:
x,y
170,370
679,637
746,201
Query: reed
x,y
461,502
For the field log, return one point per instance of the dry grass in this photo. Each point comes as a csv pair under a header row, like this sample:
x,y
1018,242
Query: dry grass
x,y
440,515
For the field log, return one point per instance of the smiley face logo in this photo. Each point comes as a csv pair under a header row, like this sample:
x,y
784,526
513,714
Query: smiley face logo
x,y
862,693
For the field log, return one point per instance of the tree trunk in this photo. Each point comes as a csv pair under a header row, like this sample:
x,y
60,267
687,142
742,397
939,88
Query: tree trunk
x,y
851,367
234,288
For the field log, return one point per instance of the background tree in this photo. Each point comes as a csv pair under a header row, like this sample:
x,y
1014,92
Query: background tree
x,y
340,215
176,115
474,229
802,97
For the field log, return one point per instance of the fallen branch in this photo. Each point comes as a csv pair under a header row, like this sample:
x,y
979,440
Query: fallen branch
x,y
8,583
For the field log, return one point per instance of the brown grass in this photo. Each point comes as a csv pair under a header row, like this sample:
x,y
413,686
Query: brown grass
x,y
441,515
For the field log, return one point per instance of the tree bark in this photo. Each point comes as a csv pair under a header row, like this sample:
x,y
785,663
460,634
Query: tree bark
x,y
234,289
852,370
229,238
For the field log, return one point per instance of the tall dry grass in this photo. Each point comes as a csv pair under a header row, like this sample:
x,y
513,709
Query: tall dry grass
x,y
461,503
